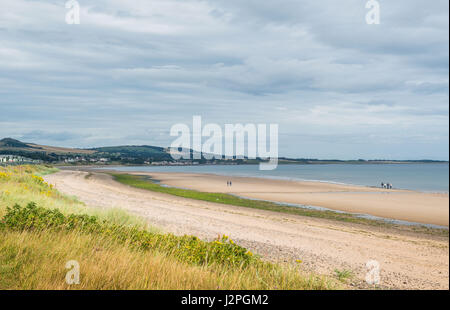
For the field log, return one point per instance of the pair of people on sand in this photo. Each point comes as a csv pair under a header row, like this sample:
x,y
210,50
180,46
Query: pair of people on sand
x,y
229,183
386,185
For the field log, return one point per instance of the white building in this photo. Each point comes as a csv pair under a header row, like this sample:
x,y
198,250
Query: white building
x,y
10,159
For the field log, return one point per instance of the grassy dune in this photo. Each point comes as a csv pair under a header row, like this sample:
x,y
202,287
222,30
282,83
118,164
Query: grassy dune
x,y
36,260
116,250
18,186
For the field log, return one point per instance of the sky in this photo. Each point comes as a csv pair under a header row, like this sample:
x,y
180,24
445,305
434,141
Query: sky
x,y
336,86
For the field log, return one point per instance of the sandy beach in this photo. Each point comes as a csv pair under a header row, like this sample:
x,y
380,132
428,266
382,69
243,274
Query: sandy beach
x,y
411,206
407,260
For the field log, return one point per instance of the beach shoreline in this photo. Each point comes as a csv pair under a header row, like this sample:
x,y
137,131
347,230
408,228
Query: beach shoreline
x,y
403,205
323,245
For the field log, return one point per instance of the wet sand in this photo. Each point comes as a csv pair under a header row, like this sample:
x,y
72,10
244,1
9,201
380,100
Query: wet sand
x,y
411,206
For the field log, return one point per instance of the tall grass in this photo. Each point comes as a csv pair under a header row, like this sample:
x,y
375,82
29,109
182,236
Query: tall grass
x,y
115,250
36,260
24,184
185,248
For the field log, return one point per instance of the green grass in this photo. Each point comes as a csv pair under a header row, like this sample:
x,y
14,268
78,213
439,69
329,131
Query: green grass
x,y
188,249
35,239
45,170
116,250
24,184
36,260
144,183
343,275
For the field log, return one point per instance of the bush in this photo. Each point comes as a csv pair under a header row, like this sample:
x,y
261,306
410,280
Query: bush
x,y
185,248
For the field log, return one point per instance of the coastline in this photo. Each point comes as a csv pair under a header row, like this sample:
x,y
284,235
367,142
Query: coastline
x,y
323,245
431,180
403,205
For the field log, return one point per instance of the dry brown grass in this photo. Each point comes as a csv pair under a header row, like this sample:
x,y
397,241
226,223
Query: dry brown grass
x,y
36,260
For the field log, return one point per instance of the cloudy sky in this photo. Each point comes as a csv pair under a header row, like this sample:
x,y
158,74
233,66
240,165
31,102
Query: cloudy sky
x,y
337,87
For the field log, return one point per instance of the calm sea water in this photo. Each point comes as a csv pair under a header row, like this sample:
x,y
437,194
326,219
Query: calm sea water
x,y
421,177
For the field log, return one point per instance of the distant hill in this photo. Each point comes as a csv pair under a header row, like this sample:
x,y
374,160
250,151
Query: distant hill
x,y
132,150
132,154
16,145
46,153
8,142
142,154
128,154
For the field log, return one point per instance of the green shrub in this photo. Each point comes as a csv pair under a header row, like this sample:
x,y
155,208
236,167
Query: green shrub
x,y
185,248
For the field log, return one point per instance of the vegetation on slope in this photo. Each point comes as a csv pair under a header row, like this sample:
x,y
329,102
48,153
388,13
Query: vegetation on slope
x,y
119,252
24,184
188,249
8,142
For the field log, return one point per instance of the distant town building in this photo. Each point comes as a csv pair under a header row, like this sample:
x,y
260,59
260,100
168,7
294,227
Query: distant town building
x,y
14,159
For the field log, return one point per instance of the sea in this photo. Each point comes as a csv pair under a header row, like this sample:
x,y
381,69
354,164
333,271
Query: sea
x,y
425,177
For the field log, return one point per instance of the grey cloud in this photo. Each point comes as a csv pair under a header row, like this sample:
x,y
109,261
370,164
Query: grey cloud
x,y
39,135
130,71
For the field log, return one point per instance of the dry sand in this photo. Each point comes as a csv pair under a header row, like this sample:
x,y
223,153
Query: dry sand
x,y
428,208
407,260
